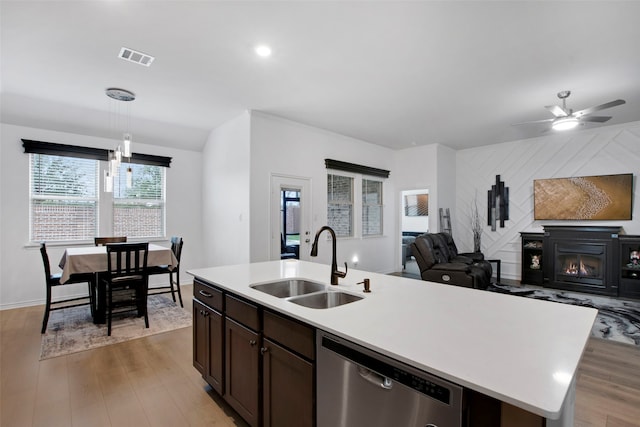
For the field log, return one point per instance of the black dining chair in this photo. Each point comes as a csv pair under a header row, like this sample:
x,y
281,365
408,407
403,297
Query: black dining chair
x,y
176,248
101,241
126,280
53,280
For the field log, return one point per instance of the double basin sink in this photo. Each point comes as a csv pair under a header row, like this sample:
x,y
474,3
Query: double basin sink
x,y
306,293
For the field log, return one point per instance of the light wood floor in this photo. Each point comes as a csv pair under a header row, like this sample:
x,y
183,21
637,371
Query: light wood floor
x,y
151,382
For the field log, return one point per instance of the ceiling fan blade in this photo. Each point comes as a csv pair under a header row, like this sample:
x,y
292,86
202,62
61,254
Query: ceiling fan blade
x,y
597,119
598,108
533,122
556,110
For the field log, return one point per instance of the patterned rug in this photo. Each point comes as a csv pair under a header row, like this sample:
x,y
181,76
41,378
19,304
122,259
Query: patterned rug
x,y
72,330
617,320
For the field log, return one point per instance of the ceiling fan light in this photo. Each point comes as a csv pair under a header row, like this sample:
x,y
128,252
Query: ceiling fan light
x,y
565,123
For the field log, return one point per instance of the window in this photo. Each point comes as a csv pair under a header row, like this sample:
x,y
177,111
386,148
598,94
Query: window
x,y
347,218
63,198
340,204
66,202
371,207
138,211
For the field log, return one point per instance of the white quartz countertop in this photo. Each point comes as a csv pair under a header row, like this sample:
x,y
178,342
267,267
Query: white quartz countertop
x,y
519,350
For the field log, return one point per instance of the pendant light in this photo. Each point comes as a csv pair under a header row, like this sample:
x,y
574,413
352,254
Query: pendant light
x,y
124,150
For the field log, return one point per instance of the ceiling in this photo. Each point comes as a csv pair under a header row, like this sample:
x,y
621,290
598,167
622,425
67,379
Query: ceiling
x,y
397,74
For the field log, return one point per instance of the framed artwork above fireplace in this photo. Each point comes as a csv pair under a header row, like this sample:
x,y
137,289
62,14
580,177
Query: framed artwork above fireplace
x,y
603,197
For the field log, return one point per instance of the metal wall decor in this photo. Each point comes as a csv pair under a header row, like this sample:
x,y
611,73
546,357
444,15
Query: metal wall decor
x,y
498,204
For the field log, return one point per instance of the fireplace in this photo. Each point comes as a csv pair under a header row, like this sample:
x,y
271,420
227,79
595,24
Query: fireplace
x,y
582,258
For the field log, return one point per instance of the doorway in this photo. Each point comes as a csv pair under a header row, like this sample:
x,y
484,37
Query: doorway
x,y
290,217
414,221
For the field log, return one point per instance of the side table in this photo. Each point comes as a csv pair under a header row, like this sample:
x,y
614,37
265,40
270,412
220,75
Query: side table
x,y
497,262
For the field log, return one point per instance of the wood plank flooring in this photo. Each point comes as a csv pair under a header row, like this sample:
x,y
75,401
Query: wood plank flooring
x,y
151,382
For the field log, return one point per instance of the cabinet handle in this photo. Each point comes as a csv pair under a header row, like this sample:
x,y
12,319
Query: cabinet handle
x,y
252,343
205,294
263,350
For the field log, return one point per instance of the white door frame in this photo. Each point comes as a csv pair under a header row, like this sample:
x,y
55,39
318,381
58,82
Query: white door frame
x,y
278,182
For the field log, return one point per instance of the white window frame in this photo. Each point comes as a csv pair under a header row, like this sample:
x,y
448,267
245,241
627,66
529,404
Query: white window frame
x,y
104,210
32,197
354,205
380,205
121,182
357,221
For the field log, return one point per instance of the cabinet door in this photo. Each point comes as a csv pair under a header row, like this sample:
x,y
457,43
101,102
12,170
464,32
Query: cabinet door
x,y
216,351
242,385
200,338
208,345
287,388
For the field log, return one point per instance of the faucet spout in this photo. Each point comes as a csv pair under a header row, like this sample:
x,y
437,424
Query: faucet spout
x,y
335,273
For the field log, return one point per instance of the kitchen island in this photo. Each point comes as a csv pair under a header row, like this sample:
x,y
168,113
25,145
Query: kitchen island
x,y
520,351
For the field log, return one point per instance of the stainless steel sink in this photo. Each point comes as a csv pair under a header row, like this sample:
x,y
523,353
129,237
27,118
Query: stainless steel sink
x,y
289,288
325,299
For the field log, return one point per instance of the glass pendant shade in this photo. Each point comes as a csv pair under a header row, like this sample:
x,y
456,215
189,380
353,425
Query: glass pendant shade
x,y
108,182
127,145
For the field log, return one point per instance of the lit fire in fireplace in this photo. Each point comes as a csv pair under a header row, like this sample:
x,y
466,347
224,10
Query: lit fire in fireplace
x,y
578,269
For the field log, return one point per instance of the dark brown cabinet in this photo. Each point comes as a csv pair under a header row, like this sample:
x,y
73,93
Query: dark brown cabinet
x,y
208,344
270,380
629,266
532,272
242,371
288,366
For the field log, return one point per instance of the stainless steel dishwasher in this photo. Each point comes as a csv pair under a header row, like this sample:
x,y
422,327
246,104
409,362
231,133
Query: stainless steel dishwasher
x,y
357,387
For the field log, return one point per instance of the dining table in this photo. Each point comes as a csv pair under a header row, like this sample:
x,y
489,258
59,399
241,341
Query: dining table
x,y
93,259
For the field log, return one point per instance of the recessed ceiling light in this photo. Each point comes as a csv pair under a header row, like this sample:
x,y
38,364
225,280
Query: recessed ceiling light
x,y
263,51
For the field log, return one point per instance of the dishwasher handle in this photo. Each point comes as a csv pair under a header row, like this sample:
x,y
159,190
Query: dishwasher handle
x,y
375,378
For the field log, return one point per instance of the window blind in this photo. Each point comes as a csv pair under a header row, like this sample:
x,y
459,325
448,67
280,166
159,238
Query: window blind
x,y
139,211
371,207
63,198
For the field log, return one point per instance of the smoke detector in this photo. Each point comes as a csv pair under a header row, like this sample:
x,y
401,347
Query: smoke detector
x,y
136,57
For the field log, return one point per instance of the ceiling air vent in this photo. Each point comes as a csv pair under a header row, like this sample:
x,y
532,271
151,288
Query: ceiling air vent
x,y
135,56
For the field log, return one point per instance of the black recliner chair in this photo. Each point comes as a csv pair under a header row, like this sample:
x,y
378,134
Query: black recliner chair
x,y
439,263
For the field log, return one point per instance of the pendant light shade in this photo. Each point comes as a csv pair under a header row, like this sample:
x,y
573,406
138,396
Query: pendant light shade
x,y
126,141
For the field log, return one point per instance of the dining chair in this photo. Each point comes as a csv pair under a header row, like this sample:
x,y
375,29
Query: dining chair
x,y
101,241
126,280
176,248
53,280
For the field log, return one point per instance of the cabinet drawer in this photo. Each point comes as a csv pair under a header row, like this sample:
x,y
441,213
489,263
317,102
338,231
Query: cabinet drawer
x,y
208,295
243,312
289,333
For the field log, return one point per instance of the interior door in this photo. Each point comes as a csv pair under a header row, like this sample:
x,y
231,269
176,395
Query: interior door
x,y
290,215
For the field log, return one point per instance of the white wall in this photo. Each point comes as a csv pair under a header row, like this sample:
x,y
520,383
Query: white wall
x,y
225,193
21,270
283,147
600,151
416,169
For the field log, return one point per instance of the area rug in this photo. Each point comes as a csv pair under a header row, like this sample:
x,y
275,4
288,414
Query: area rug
x,y
72,330
617,319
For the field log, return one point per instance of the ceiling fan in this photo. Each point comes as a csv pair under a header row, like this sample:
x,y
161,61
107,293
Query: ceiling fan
x,y
566,119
